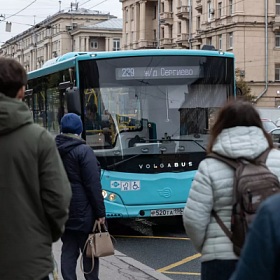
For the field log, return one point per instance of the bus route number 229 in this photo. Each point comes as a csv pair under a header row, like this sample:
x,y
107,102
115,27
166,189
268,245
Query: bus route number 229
x,y
127,72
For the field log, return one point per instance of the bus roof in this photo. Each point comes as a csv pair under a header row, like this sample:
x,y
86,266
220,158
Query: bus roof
x,y
70,59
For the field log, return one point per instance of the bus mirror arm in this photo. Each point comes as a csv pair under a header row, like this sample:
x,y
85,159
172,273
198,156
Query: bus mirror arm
x,y
73,100
71,74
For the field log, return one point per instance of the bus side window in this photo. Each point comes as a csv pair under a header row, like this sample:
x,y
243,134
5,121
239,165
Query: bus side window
x,y
28,99
39,102
57,106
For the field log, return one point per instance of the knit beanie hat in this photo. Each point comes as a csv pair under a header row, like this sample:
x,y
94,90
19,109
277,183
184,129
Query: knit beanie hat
x,y
71,123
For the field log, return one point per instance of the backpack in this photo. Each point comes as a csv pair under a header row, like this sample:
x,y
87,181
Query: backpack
x,y
253,183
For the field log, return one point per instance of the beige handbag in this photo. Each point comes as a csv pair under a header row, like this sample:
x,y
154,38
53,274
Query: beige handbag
x,y
99,244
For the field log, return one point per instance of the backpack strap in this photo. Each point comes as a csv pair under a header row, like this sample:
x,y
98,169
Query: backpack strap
x,y
231,162
263,157
221,224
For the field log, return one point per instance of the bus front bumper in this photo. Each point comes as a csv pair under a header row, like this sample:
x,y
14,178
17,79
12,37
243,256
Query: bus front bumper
x,y
115,210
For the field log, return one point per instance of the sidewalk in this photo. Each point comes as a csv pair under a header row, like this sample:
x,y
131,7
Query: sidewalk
x,y
117,267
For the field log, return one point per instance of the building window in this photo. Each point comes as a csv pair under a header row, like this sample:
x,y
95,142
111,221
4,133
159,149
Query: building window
x,y
155,34
230,41
171,6
277,40
180,28
126,38
209,41
198,23
278,7
220,9
155,12
220,42
163,33
230,7
209,11
132,13
162,7
277,72
116,45
94,44
126,15
171,31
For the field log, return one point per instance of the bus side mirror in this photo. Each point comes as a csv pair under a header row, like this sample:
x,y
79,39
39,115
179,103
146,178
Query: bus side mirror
x,y
73,100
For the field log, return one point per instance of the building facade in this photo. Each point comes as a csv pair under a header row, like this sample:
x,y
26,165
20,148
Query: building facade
x,y
237,26
79,30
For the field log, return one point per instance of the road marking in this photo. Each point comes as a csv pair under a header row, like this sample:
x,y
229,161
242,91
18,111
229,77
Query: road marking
x,y
152,237
188,259
183,273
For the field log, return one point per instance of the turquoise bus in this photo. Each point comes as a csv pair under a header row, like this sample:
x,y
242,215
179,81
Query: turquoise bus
x,y
146,114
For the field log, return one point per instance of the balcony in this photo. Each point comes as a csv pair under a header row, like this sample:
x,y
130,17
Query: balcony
x,y
166,17
198,6
183,12
165,42
183,39
276,24
147,44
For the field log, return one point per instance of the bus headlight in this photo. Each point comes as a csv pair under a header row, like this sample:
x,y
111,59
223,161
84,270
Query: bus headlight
x,y
112,197
104,193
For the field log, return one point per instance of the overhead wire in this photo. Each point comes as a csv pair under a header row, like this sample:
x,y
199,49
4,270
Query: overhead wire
x,y
84,3
97,4
20,10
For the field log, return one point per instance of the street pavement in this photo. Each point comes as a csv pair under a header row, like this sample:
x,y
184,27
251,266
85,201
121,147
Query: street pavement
x,y
160,243
117,267
150,249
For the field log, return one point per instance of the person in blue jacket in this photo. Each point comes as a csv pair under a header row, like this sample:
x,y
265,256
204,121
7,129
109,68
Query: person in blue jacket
x,y
87,204
260,256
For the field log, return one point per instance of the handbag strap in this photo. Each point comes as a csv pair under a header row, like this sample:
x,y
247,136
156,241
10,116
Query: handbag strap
x,y
97,225
92,256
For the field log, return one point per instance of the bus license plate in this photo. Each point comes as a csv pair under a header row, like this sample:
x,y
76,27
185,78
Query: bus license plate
x,y
167,212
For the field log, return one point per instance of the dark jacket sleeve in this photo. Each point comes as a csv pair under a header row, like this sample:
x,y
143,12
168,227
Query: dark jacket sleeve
x,y
55,187
90,172
258,259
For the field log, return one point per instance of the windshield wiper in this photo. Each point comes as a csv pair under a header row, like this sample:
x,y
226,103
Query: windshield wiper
x,y
122,161
179,140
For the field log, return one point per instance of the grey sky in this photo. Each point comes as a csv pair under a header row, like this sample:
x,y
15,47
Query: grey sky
x,y
43,8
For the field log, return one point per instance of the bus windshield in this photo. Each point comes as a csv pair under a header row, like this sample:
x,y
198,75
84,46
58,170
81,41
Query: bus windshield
x,y
153,104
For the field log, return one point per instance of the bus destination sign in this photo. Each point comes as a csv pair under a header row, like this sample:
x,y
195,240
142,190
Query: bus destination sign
x,y
170,72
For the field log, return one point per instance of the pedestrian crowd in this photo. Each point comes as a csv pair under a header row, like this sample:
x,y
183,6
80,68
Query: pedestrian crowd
x,y
51,189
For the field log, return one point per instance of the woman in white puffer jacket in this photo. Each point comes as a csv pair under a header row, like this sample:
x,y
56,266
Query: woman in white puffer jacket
x,y
237,132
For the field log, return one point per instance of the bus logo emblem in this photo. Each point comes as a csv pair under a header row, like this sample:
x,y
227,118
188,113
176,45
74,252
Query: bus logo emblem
x,y
166,192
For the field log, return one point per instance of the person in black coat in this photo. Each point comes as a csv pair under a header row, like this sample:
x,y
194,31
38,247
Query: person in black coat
x,y
260,256
87,204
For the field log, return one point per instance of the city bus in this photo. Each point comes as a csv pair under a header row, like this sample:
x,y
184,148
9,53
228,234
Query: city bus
x,y
146,114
